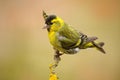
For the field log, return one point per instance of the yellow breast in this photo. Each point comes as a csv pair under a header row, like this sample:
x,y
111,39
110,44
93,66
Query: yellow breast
x,y
53,37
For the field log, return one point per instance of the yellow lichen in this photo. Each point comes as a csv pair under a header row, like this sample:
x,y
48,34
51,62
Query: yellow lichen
x,y
53,66
53,77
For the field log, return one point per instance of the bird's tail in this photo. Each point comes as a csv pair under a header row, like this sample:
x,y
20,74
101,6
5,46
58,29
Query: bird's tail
x,y
98,46
89,42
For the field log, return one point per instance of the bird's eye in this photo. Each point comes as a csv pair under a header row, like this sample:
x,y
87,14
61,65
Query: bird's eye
x,y
51,23
54,22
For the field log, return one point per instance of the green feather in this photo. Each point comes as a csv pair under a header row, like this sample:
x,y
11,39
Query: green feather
x,y
70,37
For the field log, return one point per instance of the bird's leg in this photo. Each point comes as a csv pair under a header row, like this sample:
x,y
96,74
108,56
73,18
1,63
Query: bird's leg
x,y
56,59
57,56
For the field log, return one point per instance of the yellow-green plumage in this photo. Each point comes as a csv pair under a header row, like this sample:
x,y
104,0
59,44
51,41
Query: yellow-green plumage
x,y
69,37
65,38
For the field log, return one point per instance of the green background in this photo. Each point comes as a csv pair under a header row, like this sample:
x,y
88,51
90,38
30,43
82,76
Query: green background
x,y
25,51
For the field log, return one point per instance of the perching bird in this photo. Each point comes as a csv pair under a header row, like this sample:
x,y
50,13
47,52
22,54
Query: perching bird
x,y
65,39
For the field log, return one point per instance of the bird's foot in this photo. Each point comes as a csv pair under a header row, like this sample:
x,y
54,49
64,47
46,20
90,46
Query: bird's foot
x,y
57,56
56,61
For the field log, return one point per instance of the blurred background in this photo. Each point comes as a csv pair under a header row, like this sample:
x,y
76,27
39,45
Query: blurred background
x,y
25,51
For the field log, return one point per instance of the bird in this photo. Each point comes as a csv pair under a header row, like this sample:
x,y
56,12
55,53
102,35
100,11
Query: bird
x,y
67,40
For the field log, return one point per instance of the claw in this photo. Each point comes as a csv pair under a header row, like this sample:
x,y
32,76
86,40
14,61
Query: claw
x,y
57,56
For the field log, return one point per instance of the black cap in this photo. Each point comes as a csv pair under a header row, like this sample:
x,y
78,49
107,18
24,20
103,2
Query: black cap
x,y
49,19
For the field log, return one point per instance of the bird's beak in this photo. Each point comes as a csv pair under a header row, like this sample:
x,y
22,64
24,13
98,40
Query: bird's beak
x,y
46,27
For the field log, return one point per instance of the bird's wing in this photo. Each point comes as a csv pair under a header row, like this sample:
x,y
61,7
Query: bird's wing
x,y
68,37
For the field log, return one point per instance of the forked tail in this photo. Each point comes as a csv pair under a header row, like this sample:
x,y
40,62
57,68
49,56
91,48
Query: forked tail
x,y
99,46
89,42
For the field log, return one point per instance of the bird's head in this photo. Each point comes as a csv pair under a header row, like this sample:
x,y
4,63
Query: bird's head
x,y
53,22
